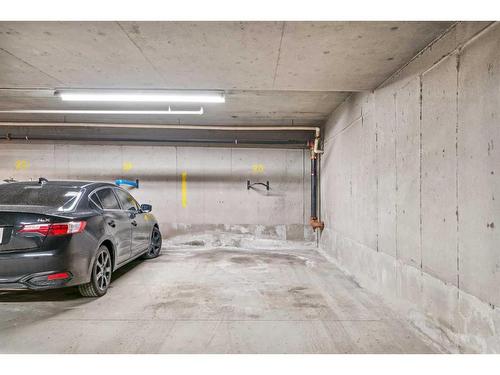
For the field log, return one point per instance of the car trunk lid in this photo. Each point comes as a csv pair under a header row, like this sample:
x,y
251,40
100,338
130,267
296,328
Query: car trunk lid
x,y
12,223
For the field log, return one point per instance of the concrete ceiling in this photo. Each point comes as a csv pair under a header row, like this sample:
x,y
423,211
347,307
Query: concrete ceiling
x,y
272,72
241,107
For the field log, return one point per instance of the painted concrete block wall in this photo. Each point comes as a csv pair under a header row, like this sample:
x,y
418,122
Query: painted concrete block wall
x,y
427,141
216,195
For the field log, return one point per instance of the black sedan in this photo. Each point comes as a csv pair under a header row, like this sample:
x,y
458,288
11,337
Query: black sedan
x,y
66,233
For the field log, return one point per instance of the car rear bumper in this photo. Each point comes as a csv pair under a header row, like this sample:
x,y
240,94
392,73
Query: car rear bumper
x,y
29,269
38,281
13,286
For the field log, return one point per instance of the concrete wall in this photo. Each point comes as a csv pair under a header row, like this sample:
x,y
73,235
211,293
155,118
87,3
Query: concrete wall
x,y
411,188
216,193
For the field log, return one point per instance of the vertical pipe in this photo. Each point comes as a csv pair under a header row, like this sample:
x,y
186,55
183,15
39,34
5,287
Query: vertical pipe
x,y
315,223
314,187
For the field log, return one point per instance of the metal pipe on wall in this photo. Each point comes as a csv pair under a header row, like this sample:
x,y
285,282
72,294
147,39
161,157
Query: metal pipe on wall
x,y
228,142
314,221
314,187
316,130
313,145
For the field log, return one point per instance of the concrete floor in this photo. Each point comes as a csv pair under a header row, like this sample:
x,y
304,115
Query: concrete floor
x,y
212,300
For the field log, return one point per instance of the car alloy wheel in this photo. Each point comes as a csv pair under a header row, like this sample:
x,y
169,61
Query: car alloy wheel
x,y
100,276
102,270
154,245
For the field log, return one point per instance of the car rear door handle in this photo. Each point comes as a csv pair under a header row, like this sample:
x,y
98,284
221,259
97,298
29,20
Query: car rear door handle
x,y
111,223
134,223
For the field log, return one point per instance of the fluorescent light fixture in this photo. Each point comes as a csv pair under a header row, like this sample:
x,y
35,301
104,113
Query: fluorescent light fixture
x,y
106,112
152,96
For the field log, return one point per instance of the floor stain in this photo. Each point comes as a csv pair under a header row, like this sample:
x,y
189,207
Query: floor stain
x,y
249,257
297,297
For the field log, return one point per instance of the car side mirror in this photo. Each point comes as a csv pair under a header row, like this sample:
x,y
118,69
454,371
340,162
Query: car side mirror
x,y
146,207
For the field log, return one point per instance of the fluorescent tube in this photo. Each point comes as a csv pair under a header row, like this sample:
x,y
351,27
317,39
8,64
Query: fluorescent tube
x,y
142,96
106,112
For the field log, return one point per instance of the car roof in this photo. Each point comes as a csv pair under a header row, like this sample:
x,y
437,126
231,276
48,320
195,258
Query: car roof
x,y
64,183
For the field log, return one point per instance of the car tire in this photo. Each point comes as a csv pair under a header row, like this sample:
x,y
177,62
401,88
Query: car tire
x,y
101,275
154,248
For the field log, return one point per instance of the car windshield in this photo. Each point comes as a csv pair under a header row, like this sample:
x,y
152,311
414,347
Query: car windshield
x,y
62,198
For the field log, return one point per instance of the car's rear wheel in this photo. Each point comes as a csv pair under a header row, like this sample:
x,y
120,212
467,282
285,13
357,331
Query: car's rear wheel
x,y
101,275
154,245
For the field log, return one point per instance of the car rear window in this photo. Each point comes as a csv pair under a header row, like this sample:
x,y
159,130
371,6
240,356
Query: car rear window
x,y
63,198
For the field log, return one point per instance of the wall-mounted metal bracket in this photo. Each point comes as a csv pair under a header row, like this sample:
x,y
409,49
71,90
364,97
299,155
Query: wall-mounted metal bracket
x,y
250,185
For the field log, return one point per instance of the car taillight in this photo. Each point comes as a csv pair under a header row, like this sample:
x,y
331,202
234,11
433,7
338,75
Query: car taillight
x,y
72,227
42,229
57,229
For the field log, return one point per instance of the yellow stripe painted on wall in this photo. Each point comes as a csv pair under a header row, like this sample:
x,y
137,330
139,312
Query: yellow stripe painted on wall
x,y
184,189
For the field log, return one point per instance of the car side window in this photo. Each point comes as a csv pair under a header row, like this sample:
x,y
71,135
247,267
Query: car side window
x,y
95,201
108,199
127,201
